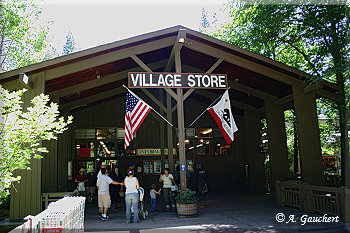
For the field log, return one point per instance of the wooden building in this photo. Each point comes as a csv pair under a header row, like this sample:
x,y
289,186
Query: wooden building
x,y
88,85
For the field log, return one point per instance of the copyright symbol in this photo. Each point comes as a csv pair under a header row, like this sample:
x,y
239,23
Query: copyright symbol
x,y
280,217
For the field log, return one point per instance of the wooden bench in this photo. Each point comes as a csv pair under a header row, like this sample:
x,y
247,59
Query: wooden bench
x,y
46,198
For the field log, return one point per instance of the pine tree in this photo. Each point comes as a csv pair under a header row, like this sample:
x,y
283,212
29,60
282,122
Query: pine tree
x,y
70,45
204,20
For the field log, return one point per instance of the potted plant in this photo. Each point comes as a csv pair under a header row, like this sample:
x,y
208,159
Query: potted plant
x,y
186,203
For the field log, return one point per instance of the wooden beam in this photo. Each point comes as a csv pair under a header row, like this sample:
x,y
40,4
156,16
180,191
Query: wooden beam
x,y
283,100
251,91
140,63
173,109
188,93
216,64
154,99
25,81
179,41
330,95
104,80
318,88
88,52
92,98
240,87
208,94
244,63
107,58
313,87
247,53
171,92
260,111
319,85
149,94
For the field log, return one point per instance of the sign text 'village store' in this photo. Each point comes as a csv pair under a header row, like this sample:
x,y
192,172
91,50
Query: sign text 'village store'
x,y
177,80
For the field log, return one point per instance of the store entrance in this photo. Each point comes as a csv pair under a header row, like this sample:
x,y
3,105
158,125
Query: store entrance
x,y
95,146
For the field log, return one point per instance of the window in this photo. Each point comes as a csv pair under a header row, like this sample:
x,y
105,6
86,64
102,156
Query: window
x,y
206,141
106,148
130,150
108,133
198,146
84,133
221,147
84,148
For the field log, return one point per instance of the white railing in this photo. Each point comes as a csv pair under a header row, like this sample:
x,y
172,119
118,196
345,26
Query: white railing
x,y
64,215
315,199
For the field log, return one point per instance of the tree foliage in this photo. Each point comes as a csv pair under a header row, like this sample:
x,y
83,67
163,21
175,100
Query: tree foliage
x,y
312,38
23,36
70,45
21,132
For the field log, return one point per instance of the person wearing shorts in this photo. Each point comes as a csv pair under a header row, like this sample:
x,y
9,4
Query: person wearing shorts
x,y
104,200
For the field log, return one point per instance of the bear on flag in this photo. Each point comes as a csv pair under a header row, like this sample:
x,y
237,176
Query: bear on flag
x,y
222,114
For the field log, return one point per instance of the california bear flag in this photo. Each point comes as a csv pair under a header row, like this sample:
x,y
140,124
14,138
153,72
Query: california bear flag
x,y
223,117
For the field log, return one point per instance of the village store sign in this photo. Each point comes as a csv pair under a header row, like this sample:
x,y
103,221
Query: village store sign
x,y
177,80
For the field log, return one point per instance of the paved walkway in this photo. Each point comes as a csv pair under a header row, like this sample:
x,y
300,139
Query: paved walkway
x,y
218,212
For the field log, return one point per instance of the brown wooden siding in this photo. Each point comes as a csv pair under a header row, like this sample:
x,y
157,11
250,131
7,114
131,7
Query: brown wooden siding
x,y
27,200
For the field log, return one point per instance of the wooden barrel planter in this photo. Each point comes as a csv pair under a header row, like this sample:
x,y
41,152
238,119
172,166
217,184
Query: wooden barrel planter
x,y
186,210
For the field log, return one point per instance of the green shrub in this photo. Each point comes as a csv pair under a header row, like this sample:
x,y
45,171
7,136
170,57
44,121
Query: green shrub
x,y
5,202
186,197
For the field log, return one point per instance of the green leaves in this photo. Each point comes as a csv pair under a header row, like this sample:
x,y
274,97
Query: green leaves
x,y
311,38
21,132
186,197
23,36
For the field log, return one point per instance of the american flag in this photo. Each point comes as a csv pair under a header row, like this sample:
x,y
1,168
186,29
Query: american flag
x,y
136,112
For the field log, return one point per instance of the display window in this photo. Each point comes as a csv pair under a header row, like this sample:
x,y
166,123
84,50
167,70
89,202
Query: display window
x,y
84,148
106,133
206,141
105,148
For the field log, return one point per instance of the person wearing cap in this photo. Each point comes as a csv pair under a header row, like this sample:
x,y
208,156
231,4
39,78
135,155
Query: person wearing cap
x,y
81,180
131,196
103,165
104,199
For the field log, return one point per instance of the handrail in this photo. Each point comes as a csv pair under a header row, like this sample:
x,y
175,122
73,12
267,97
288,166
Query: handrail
x,y
315,199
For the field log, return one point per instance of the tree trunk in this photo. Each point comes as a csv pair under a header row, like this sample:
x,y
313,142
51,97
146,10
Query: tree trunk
x,y
296,149
344,146
344,140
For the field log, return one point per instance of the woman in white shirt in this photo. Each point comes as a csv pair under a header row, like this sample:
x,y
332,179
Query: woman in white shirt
x,y
131,196
167,180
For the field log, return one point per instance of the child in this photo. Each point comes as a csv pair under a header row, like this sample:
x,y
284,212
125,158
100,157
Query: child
x,y
153,193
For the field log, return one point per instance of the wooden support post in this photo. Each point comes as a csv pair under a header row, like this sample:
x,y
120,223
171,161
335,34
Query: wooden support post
x,y
277,143
169,118
308,135
181,124
161,131
181,137
254,158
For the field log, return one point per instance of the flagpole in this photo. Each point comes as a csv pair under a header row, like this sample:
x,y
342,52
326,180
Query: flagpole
x,y
206,110
148,105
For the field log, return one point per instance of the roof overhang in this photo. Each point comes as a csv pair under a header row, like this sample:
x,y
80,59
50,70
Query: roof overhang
x,y
99,73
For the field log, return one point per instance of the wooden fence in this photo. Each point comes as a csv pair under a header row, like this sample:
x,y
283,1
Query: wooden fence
x,y
315,199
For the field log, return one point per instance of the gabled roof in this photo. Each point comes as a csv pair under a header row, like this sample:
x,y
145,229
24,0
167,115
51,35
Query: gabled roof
x,y
96,73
